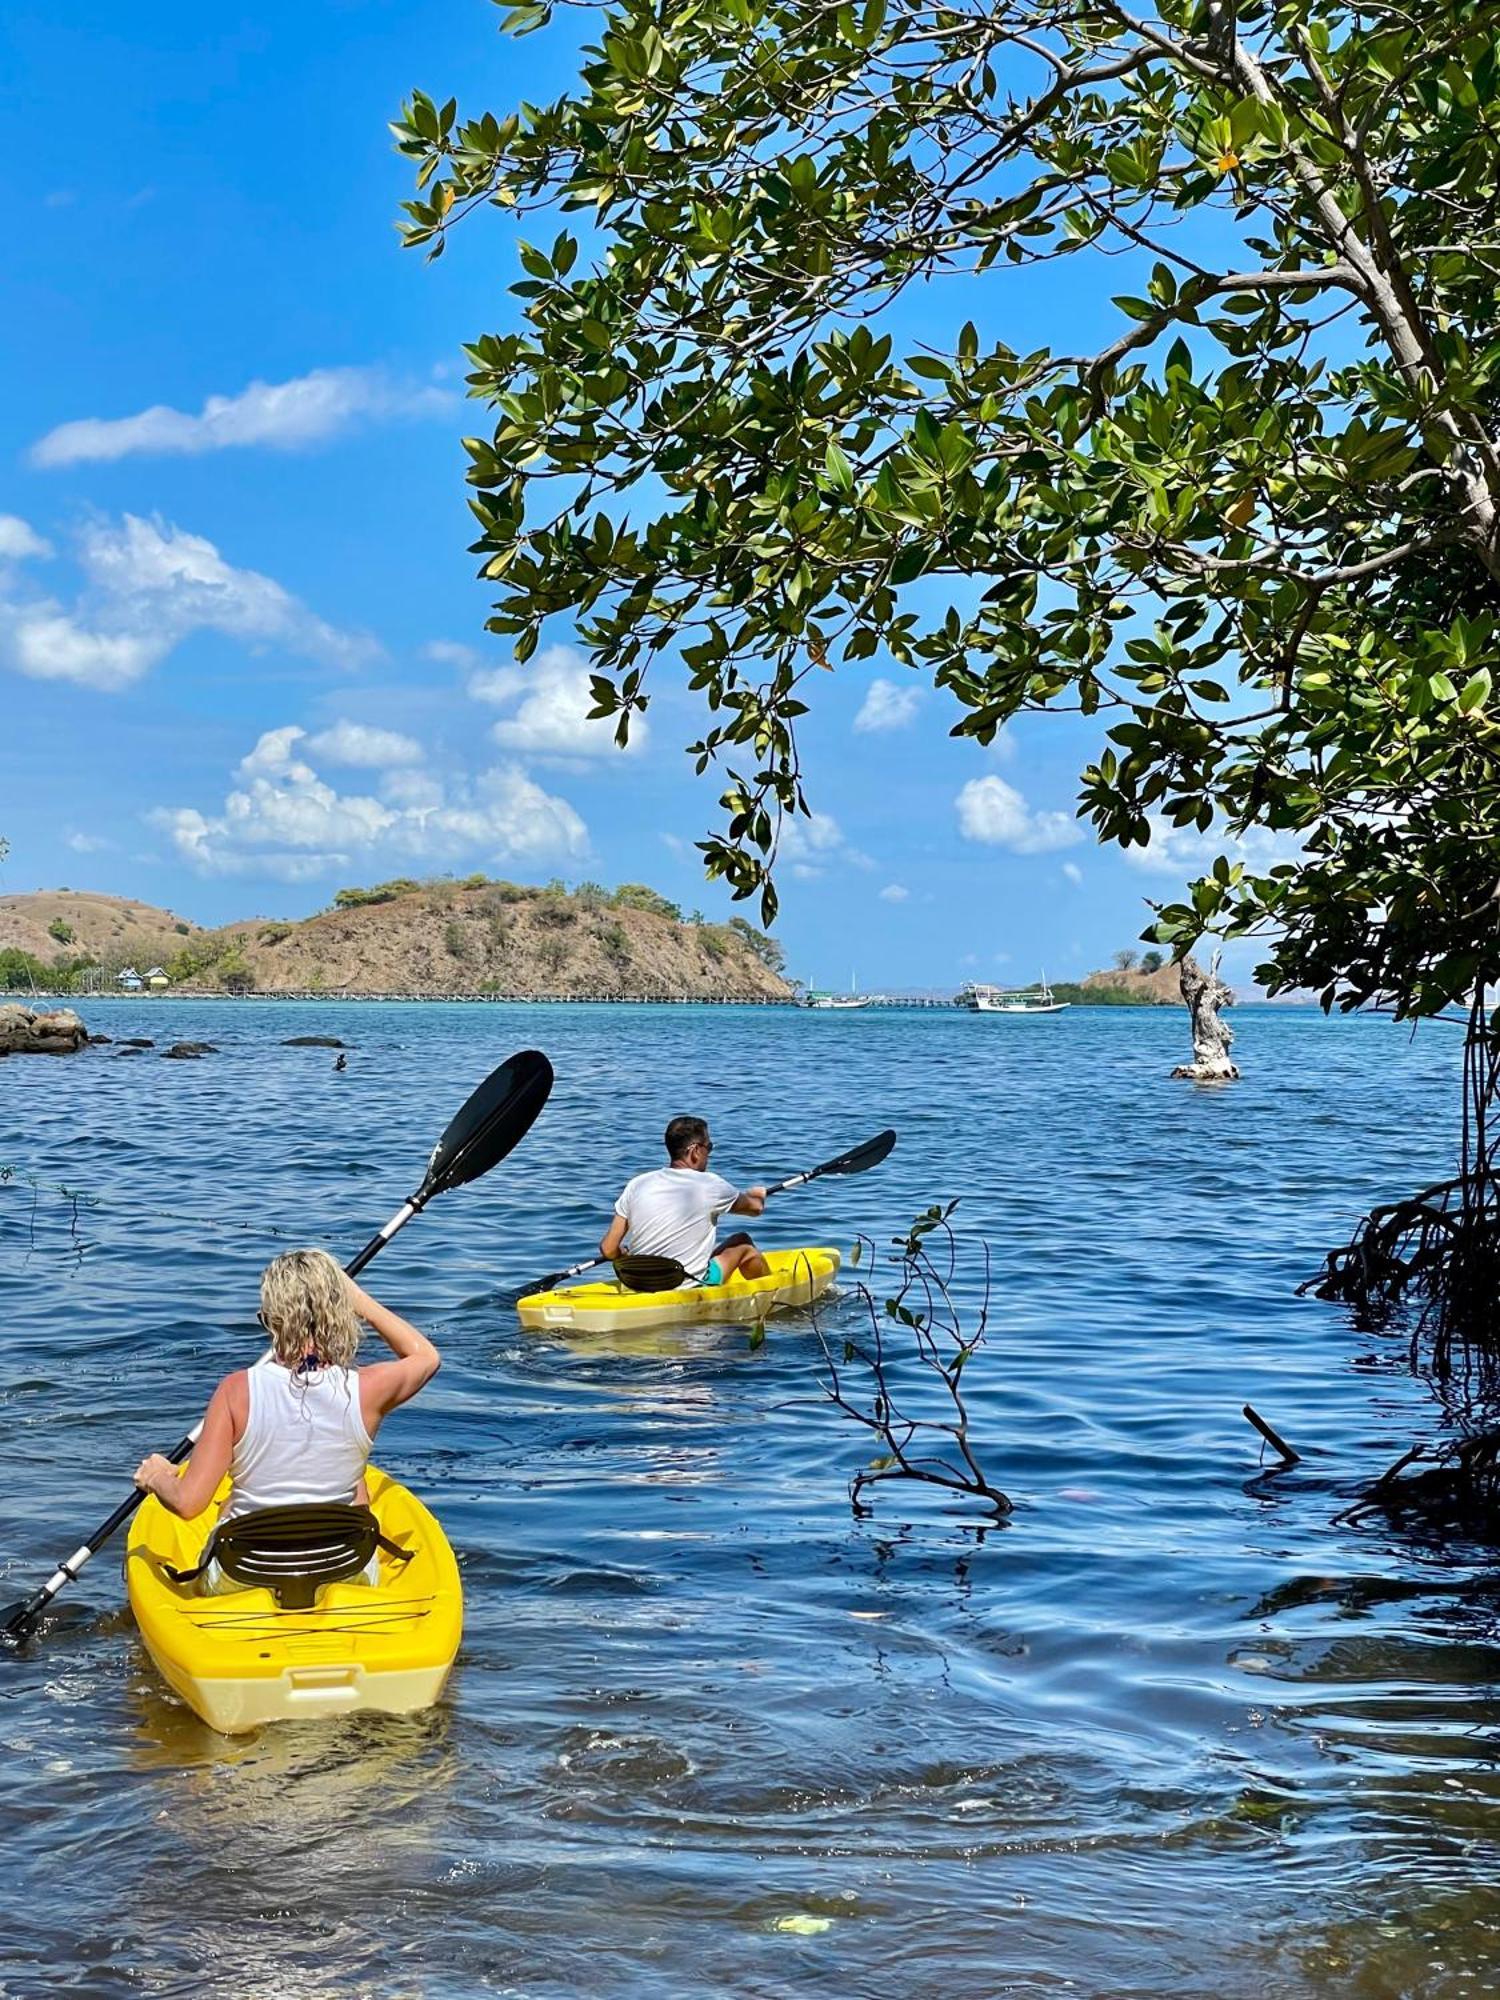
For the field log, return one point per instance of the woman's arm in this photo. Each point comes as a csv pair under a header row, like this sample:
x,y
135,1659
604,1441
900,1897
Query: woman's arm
x,y
189,1493
391,1383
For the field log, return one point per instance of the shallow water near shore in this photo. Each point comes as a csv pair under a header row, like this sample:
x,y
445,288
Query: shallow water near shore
x,y
1165,1731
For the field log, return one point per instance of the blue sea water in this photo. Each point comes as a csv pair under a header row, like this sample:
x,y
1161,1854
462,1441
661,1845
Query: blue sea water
x,y
1166,1730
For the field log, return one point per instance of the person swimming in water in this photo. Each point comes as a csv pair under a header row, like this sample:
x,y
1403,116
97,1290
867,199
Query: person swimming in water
x,y
672,1211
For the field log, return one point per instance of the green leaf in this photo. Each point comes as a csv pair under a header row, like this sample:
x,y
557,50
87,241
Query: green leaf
x,y
1476,691
840,472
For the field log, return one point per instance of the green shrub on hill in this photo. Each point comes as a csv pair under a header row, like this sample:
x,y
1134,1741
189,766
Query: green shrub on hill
x,y
636,896
500,894
766,949
382,892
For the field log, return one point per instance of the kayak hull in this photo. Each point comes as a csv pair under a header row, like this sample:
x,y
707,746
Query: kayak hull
x,y
239,1660
796,1278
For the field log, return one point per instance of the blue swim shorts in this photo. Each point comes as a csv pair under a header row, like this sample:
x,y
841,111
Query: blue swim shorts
x,y
713,1275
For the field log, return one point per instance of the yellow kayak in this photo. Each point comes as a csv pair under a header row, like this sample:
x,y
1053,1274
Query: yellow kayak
x,y
795,1278
240,1659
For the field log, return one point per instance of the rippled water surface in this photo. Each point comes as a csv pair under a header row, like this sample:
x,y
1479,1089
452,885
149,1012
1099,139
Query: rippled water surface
x,y
1166,1731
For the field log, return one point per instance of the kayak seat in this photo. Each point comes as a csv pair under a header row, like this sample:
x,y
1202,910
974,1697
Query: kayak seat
x,y
294,1552
650,1274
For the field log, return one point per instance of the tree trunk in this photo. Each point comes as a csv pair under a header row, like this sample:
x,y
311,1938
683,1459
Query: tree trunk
x,y
1204,993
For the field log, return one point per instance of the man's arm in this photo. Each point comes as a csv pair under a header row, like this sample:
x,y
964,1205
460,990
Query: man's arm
x,y
613,1239
750,1201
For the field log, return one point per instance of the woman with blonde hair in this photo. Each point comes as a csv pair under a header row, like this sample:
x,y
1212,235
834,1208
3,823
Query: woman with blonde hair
x,y
298,1426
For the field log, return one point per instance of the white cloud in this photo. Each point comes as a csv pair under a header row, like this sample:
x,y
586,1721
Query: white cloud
x,y
894,892
1073,872
18,539
809,842
284,820
452,653
282,416
147,587
273,750
1185,852
551,716
87,843
358,744
996,814
47,644
887,705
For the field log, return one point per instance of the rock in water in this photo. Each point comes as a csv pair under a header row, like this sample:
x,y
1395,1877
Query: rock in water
x,y
24,1032
313,1042
1204,994
188,1051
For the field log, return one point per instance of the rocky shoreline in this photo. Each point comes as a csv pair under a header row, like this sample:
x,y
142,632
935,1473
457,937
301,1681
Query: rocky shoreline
x,y
26,1031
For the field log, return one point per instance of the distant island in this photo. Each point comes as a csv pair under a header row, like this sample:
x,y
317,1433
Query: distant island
x,y
1137,979
471,936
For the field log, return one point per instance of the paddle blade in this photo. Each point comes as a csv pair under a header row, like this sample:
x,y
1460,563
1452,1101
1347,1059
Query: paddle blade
x,y
494,1120
650,1274
19,1621
859,1159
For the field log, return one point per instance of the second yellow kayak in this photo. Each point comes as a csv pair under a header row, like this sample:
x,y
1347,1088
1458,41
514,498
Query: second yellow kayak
x,y
796,1278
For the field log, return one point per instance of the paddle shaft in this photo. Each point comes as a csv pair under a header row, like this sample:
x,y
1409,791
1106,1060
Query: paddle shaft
x,y
67,1572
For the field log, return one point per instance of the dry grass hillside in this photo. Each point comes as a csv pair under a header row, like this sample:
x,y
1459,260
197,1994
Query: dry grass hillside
x,y
111,931
1162,988
447,939
438,937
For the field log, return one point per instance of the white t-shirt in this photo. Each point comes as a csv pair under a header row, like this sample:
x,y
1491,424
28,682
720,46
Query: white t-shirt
x,y
671,1213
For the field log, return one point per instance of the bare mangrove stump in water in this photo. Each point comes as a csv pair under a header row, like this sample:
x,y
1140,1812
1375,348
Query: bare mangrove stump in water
x,y
1273,1438
1204,993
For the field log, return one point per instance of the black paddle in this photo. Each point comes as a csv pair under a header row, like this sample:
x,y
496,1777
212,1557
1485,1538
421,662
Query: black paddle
x,y
662,1274
495,1119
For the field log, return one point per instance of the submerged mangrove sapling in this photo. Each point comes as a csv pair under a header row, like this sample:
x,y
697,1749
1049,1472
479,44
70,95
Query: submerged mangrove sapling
x,y
911,1364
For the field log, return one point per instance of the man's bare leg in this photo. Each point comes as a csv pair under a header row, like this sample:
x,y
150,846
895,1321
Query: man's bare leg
x,y
740,1254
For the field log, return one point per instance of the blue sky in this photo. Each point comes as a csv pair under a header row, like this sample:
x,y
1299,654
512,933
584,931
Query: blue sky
x,y
241,642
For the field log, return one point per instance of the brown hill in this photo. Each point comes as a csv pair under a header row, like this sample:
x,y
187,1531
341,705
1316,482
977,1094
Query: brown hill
x,y
1161,988
110,931
447,939
442,937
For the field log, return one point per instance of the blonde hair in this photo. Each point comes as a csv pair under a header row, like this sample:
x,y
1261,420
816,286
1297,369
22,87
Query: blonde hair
x,y
305,1308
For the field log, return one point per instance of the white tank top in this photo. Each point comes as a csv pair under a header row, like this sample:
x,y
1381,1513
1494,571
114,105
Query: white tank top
x,y
305,1440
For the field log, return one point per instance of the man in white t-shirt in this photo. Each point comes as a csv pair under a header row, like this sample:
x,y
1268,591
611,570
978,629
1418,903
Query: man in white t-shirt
x,y
672,1212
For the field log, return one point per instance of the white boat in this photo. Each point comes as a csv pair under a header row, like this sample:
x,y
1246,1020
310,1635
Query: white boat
x,y
839,1002
1011,1000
